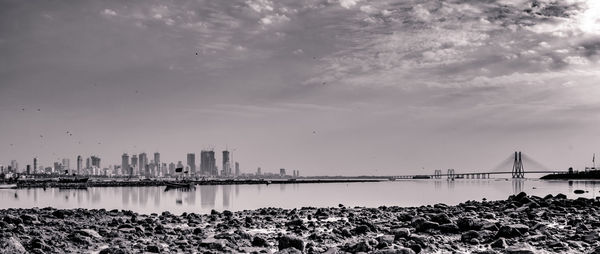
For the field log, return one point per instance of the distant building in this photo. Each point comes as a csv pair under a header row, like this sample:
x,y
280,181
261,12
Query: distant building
x,y
125,164
226,164
14,166
143,162
95,161
66,164
191,163
134,162
58,167
157,158
171,168
79,164
88,163
282,172
237,168
28,169
258,171
179,164
208,163
35,164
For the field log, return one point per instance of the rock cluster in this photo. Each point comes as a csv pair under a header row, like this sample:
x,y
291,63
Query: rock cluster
x,y
520,224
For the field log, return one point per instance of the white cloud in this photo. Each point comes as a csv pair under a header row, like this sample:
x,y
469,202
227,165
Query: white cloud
x,y
576,60
109,12
348,3
298,52
260,5
273,19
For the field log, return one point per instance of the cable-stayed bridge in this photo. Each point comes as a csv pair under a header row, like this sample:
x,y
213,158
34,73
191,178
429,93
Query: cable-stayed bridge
x,y
514,165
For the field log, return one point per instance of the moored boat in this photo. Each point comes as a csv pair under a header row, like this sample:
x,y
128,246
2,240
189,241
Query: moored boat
x,y
8,186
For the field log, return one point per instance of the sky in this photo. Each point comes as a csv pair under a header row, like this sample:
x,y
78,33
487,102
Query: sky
x,y
327,87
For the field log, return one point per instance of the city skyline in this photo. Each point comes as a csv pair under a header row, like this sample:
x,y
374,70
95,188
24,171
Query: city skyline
x,y
333,87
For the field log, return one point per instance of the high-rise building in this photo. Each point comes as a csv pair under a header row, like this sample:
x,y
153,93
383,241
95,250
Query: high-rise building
x,y
171,168
258,171
134,163
15,166
226,164
191,162
95,161
143,162
34,164
66,163
157,158
79,164
179,164
237,168
57,167
125,164
208,164
88,163
28,169
282,172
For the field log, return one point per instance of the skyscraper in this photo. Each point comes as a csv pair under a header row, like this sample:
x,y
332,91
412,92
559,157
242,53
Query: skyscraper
x,y
125,164
226,165
34,164
258,171
143,161
282,172
191,162
237,168
15,166
95,161
134,163
157,158
208,163
66,163
79,164
171,168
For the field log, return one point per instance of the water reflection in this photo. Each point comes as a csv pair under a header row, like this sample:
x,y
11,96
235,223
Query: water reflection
x,y
517,185
208,195
240,197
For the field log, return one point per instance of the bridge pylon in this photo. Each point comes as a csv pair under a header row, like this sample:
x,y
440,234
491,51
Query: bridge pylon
x,y
437,174
451,174
518,171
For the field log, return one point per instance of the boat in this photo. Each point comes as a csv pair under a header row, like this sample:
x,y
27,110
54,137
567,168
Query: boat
x,y
8,186
421,177
180,186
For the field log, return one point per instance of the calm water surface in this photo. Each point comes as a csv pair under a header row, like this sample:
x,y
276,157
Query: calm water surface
x,y
241,197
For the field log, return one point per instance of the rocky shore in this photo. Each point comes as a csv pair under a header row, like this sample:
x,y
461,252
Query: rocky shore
x,y
521,224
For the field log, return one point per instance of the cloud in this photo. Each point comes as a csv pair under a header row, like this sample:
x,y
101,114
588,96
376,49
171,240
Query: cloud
x,y
109,12
348,3
273,19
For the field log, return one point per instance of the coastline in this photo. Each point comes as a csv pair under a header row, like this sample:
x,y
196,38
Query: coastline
x,y
49,183
519,224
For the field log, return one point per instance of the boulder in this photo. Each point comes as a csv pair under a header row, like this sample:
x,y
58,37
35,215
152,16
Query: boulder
x,y
290,241
11,245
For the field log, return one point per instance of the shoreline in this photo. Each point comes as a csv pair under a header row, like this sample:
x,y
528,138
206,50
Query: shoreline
x,y
519,224
113,183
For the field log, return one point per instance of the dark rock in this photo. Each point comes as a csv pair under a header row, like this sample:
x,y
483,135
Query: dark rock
x,y
290,250
113,250
449,228
469,235
153,249
401,233
290,241
259,241
500,243
400,250
362,229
